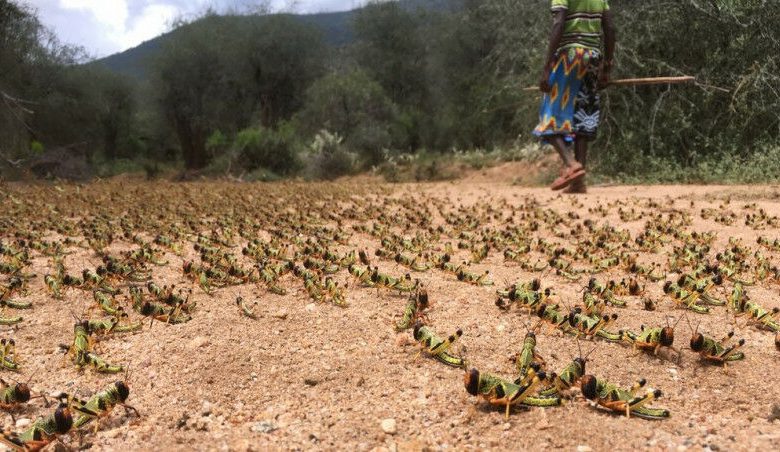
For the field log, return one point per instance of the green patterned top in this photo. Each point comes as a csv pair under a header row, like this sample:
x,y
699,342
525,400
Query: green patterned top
x,y
583,22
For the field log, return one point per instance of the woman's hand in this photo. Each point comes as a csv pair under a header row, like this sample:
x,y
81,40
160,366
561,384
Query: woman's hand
x,y
544,80
605,70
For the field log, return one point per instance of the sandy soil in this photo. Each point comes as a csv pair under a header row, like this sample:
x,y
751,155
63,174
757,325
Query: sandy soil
x,y
308,375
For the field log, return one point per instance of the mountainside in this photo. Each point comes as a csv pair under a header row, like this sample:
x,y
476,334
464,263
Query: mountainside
x,y
336,28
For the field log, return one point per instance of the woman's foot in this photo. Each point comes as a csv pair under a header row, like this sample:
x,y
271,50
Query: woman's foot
x,y
577,187
568,175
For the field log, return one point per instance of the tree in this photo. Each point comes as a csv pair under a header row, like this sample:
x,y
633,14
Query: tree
x,y
355,107
389,47
194,82
116,105
223,73
281,57
19,50
469,106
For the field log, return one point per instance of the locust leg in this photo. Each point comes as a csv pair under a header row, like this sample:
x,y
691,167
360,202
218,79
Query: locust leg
x,y
732,353
638,402
445,345
637,386
542,401
130,408
35,445
619,406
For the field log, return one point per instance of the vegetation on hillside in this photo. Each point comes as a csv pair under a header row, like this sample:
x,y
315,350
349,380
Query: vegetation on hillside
x,y
261,99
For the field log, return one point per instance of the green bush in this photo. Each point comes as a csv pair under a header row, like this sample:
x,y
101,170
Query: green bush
x,y
119,166
327,158
370,140
272,149
36,148
354,107
217,142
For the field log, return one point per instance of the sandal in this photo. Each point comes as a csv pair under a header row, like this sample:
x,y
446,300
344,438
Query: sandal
x,y
568,175
577,187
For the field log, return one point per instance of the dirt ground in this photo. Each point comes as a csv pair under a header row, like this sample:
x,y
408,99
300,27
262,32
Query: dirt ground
x,y
308,375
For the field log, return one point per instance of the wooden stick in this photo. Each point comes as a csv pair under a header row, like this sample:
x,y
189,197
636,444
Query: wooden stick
x,y
652,81
639,81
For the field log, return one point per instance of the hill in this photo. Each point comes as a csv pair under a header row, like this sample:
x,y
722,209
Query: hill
x,y
336,28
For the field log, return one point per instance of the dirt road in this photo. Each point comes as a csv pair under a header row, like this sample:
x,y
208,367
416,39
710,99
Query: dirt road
x,y
308,374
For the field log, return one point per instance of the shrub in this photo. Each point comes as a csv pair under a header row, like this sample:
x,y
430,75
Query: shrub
x,y
327,157
36,148
272,149
355,107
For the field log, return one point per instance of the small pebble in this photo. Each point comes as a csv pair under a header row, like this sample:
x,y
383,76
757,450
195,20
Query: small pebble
x,y
199,342
281,314
23,422
263,427
389,426
403,339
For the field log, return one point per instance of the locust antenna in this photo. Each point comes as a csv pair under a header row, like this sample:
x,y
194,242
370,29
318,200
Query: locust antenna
x,y
689,324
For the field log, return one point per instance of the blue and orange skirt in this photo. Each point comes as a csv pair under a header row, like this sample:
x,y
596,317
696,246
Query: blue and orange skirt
x,y
572,107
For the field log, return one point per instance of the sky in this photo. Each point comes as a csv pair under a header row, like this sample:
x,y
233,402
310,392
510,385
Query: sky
x,y
104,27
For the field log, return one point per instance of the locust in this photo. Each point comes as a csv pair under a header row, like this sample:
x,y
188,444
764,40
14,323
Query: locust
x,y
415,310
8,355
54,284
437,347
603,291
589,326
685,298
653,339
363,275
703,287
415,263
113,324
246,310
42,432
15,304
497,391
622,401
88,358
106,302
10,320
551,315
16,394
474,279
101,404
527,356
568,377
163,313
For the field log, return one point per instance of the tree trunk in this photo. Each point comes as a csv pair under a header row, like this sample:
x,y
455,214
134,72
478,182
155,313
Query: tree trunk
x,y
111,138
193,143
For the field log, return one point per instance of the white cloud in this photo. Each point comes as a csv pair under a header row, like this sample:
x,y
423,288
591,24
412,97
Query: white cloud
x,y
119,30
104,27
153,20
112,13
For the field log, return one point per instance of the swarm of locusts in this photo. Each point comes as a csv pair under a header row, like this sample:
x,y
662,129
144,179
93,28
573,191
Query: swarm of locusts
x,y
302,241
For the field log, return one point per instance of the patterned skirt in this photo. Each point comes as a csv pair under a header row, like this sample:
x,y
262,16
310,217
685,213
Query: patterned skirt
x,y
571,108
